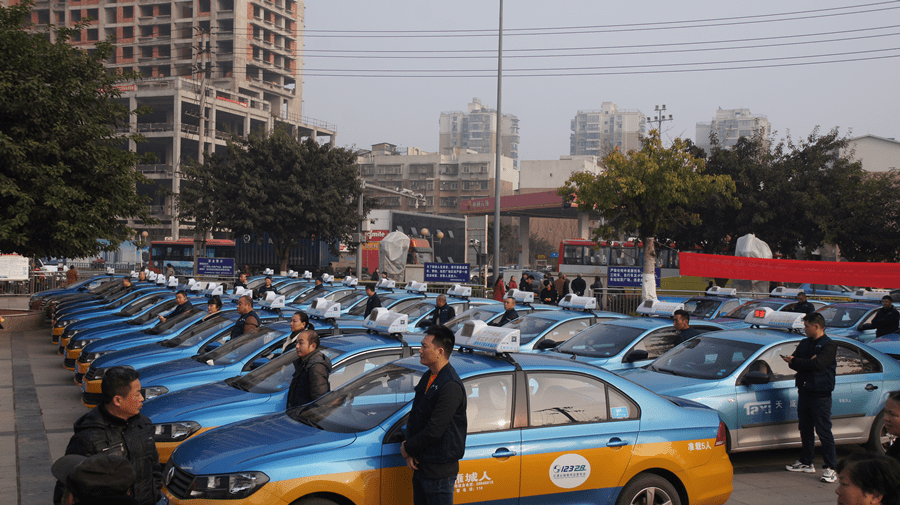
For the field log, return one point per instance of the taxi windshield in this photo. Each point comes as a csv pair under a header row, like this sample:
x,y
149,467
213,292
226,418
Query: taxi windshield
x,y
196,334
315,293
705,358
742,311
698,307
600,341
293,289
530,326
152,314
241,347
350,298
842,317
480,314
178,321
274,376
419,309
363,403
139,305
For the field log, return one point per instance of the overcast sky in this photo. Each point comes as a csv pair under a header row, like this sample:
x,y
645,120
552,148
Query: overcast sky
x,y
860,92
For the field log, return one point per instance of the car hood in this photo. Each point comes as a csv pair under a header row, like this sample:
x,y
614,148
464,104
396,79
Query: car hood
x,y
201,402
255,444
130,355
152,375
667,384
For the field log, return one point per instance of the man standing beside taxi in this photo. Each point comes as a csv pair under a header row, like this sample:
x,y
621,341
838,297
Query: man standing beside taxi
x,y
814,361
248,321
311,371
436,429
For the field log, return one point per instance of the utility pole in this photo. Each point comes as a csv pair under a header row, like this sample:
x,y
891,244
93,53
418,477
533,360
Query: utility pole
x,y
659,118
204,69
498,169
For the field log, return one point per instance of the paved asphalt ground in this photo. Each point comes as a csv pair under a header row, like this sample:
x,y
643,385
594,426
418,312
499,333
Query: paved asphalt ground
x,y
39,402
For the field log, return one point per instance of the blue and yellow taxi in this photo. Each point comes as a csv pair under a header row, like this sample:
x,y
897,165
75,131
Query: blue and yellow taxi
x,y
86,286
714,303
64,316
740,373
540,430
783,299
844,319
179,415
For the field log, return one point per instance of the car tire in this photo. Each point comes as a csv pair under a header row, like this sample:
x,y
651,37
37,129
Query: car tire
x,y
314,500
879,439
648,489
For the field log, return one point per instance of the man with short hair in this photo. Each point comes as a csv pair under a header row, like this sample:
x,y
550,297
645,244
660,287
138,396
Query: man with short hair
x,y
436,428
265,288
248,321
142,276
886,319
373,302
183,305
116,427
442,312
509,314
802,306
318,285
681,320
241,282
816,366
562,286
579,285
311,371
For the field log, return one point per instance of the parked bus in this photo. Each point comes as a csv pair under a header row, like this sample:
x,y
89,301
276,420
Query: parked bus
x,y
589,258
180,253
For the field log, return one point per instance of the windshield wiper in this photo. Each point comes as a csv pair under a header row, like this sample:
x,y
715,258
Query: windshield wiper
x,y
235,383
309,422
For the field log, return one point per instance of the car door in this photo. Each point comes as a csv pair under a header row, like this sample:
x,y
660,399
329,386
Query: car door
x,y
767,413
580,438
857,392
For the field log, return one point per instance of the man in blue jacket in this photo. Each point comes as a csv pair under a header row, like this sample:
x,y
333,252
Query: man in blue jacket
x,y
436,429
816,366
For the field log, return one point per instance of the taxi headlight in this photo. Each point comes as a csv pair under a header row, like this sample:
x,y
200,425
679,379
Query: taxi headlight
x,y
225,487
65,323
89,357
154,391
174,432
80,343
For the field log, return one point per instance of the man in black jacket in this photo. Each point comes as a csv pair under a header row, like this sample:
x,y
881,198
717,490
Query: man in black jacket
x,y
310,371
816,366
117,428
183,306
681,320
442,312
886,320
802,306
373,302
509,314
578,285
436,429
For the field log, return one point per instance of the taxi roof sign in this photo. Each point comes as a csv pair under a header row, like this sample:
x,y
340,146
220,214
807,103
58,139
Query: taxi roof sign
x,y
325,308
350,281
274,302
173,282
307,274
293,274
766,316
218,290
869,296
152,277
268,271
386,284
327,278
573,301
468,329
385,321
241,291
783,292
196,286
651,307
717,291
521,296
161,280
460,291
416,287
493,339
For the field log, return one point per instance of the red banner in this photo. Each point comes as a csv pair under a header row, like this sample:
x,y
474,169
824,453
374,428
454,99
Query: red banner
x,y
874,275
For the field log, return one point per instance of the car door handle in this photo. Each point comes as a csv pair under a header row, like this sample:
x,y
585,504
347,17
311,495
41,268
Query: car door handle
x,y
871,387
616,442
503,452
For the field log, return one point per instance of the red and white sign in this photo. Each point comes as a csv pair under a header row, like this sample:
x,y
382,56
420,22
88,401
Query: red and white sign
x,y
376,235
242,104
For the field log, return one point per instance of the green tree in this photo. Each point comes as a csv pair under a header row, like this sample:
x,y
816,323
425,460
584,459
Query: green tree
x,y
65,180
277,186
643,190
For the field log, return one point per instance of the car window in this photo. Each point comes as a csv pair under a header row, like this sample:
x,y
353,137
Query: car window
x,y
771,364
729,306
529,327
600,341
489,403
556,399
841,317
274,376
659,342
241,347
479,314
705,357
851,360
567,330
419,309
359,366
701,308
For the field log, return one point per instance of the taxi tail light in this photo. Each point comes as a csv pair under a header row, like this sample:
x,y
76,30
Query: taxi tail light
x,y
721,435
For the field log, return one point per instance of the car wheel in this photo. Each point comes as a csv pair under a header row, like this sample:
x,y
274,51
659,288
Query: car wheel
x,y
648,489
314,500
879,438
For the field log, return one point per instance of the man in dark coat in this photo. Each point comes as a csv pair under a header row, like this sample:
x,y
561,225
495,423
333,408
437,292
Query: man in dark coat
x,y
802,306
183,306
578,285
117,427
436,429
681,320
442,312
886,320
248,321
509,314
311,371
373,301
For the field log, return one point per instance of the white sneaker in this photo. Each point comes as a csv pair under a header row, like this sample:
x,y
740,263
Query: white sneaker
x,y
800,467
828,475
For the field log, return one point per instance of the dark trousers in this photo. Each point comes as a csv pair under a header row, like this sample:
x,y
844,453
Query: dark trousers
x,y
815,419
432,491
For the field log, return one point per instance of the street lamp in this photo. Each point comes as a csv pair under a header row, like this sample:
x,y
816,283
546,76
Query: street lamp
x,y
144,235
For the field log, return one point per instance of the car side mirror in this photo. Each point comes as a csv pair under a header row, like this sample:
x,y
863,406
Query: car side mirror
x,y
755,377
636,355
546,344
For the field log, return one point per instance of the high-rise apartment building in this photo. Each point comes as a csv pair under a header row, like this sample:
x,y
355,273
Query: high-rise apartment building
x,y
476,130
730,125
241,59
444,180
599,132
